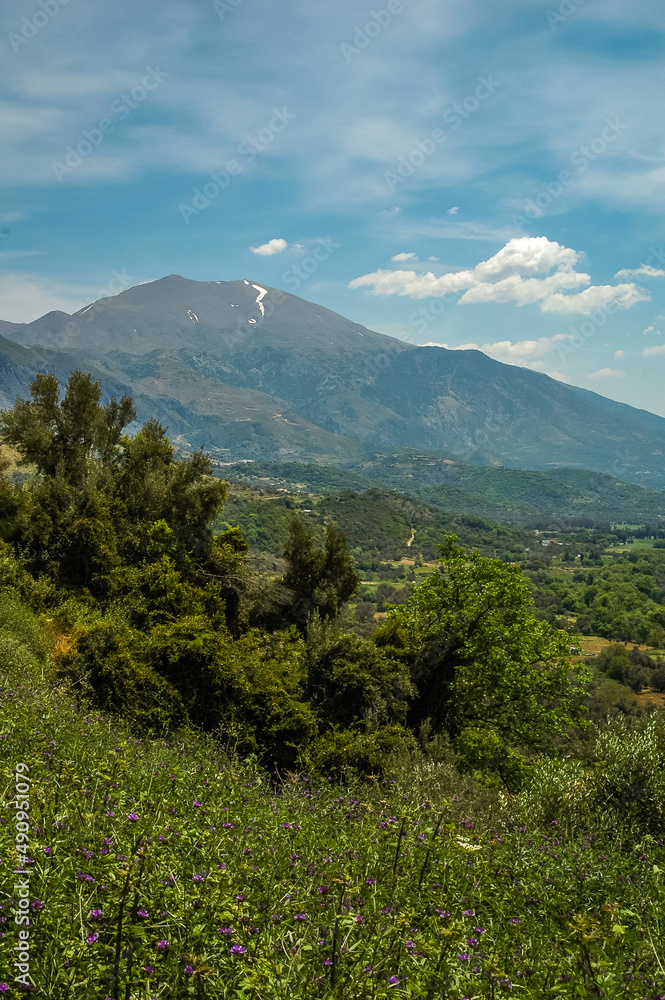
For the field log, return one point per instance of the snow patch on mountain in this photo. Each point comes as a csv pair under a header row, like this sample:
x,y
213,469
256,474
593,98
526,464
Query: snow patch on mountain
x,y
262,292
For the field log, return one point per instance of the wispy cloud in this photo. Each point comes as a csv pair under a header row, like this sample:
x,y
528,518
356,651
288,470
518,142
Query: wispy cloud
x,y
404,256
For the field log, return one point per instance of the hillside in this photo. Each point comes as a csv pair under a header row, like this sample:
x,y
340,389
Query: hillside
x,y
509,496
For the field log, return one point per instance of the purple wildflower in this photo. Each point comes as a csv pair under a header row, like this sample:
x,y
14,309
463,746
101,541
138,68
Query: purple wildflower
x,y
515,920
195,803
463,957
132,817
162,946
91,938
393,981
189,970
300,916
96,915
37,906
149,969
237,949
142,914
226,930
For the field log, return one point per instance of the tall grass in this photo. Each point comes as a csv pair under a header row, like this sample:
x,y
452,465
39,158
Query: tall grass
x,y
171,869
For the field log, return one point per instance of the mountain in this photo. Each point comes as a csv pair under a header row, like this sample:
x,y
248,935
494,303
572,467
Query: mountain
x,y
250,371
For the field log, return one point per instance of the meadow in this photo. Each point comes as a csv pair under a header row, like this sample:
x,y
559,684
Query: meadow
x,y
171,868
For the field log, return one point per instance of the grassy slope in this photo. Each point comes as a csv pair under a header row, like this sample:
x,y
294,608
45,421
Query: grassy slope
x,y
169,868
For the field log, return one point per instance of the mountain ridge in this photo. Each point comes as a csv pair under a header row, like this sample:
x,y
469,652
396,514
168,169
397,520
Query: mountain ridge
x,y
250,371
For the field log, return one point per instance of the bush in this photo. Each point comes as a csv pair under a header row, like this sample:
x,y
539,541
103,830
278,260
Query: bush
x,y
343,752
487,756
353,681
629,776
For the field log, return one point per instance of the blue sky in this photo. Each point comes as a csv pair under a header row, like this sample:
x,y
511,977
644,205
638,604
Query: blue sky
x,y
457,172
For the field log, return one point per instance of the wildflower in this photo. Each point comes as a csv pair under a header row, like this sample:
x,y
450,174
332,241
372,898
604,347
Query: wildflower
x,y
149,969
300,916
469,913
37,906
324,889
393,981
96,915
226,930
241,898
515,920
162,946
443,913
237,949
370,881
480,930
189,971
327,961
195,803
91,938
463,957
48,850
198,878
4,988
132,817
472,942
142,914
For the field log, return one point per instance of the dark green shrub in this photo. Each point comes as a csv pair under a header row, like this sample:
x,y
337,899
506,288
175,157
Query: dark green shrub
x,y
354,681
341,752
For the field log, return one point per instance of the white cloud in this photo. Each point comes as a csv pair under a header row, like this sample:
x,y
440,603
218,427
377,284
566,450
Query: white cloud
x,y
270,248
607,373
655,349
454,210
643,271
518,273
652,329
405,256
433,258
618,355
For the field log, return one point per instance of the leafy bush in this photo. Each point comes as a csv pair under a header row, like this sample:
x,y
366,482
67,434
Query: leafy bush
x,y
342,752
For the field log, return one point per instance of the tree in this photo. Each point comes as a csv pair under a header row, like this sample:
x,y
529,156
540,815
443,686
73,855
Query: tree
x,y
480,658
60,436
101,492
319,580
